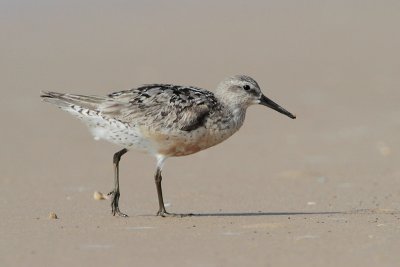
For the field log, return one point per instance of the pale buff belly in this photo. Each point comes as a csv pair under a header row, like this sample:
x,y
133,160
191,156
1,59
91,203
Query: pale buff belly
x,y
183,143
167,142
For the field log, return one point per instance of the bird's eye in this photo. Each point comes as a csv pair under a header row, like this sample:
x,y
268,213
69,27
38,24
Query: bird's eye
x,y
246,87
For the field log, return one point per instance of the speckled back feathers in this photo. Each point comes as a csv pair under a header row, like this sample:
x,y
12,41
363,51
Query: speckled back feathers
x,y
166,105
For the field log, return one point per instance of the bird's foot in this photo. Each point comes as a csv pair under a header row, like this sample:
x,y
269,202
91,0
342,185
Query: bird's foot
x,y
164,213
114,195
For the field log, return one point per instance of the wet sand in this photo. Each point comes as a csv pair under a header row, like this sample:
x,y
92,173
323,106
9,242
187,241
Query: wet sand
x,y
321,190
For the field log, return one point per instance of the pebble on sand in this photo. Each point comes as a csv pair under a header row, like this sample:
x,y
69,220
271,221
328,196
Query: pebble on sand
x,y
383,148
99,196
53,215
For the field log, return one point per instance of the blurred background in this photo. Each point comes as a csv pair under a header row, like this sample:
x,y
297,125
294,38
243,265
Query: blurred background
x,y
335,64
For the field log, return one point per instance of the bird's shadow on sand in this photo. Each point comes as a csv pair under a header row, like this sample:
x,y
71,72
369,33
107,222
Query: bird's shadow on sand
x,y
250,214
292,213
284,213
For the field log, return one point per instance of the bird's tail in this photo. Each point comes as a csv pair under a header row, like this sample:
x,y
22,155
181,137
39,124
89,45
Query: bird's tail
x,y
68,101
86,108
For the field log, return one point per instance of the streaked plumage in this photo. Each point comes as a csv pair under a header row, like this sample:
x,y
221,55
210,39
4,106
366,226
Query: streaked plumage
x,y
166,120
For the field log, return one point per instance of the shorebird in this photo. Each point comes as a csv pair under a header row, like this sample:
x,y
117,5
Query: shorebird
x,y
164,120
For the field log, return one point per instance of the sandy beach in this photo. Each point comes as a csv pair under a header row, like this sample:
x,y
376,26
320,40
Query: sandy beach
x,y
321,190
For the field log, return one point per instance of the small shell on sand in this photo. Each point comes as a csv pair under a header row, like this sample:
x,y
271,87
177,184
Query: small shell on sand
x,y
99,196
53,215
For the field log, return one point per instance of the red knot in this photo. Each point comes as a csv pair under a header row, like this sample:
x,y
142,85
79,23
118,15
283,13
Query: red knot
x,y
165,120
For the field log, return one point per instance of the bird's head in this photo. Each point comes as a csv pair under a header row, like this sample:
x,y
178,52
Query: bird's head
x,y
241,91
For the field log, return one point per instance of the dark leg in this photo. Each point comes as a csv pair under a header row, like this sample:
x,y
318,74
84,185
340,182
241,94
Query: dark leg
x,y
161,211
115,193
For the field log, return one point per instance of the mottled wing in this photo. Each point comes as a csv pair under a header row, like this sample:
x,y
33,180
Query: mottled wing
x,y
161,106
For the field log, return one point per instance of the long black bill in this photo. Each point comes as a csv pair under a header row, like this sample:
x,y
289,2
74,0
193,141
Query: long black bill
x,y
269,103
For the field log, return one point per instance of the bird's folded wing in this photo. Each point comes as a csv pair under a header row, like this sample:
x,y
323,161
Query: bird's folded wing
x,y
159,108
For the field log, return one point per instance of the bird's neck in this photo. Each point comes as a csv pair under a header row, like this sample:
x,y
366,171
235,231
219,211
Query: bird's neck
x,y
232,109
238,115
